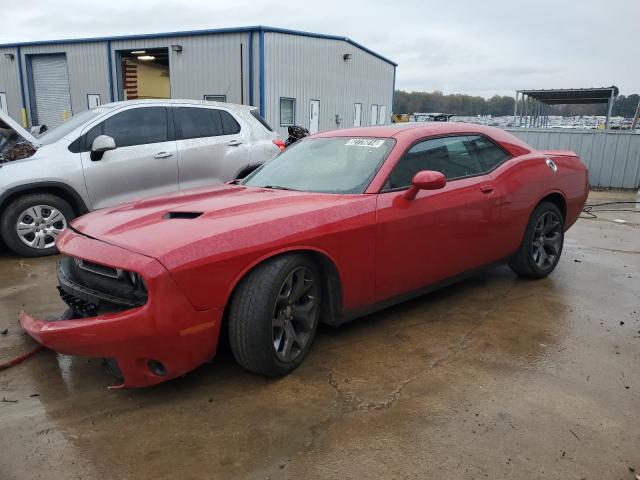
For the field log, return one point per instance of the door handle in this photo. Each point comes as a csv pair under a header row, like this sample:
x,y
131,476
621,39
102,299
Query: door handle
x,y
234,143
486,189
163,155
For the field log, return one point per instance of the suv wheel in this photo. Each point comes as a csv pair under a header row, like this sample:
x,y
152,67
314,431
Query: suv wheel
x,y
31,224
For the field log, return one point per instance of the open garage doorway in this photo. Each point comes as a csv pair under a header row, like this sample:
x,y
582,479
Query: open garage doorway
x,y
144,73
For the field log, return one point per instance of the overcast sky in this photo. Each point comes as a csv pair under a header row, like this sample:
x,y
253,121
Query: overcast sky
x,y
480,47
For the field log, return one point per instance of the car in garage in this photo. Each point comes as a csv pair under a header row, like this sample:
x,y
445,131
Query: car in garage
x,y
117,153
339,225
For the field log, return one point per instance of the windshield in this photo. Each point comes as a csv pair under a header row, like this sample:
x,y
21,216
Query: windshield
x,y
70,125
325,165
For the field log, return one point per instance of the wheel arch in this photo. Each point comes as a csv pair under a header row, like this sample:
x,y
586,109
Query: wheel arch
x,y
558,199
58,189
246,171
331,280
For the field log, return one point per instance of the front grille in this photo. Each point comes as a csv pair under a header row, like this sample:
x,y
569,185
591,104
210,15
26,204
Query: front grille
x,y
95,291
79,306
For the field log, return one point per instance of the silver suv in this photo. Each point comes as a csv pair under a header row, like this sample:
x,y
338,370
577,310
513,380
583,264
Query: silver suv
x,y
116,153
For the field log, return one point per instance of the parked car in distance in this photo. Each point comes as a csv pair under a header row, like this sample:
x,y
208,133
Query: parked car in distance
x,y
117,153
340,224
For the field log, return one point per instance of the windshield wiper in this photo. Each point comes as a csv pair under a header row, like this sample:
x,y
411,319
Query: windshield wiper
x,y
278,187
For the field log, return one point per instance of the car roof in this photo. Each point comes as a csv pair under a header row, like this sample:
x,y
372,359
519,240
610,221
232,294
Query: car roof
x,y
397,130
177,101
408,132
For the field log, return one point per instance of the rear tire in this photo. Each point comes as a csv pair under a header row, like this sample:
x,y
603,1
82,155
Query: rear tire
x,y
274,314
542,244
42,218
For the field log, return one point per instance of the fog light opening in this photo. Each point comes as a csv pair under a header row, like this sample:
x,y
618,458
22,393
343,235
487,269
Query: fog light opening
x,y
157,368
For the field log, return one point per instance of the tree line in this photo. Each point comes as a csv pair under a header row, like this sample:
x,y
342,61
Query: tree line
x,y
468,105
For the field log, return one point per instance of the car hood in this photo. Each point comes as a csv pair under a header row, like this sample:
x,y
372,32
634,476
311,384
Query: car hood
x,y
203,222
20,131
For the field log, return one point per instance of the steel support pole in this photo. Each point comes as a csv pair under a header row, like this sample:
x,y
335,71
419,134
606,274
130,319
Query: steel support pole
x,y
515,109
634,124
609,110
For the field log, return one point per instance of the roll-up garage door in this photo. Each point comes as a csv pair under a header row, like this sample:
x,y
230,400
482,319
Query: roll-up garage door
x,y
50,82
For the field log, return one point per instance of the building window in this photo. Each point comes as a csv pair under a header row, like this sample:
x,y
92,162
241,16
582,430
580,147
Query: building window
x,y
287,111
215,98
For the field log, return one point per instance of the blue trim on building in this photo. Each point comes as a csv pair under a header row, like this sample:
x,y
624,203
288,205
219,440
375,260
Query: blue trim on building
x,y
110,69
393,98
262,89
189,33
21,80
251,68
33,111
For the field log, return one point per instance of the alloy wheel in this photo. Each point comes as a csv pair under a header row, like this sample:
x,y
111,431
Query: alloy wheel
x,y
547,240
294,314
40,225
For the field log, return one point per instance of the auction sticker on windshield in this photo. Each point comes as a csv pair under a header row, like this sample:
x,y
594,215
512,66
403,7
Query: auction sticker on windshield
x,y
365,142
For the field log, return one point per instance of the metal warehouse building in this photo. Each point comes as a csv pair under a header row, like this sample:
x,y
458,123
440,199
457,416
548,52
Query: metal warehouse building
x,y
319,81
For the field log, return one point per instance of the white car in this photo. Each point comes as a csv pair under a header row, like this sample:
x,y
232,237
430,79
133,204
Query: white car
x,y
120,152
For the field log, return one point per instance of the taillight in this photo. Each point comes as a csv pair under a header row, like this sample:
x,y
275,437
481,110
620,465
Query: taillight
x,y
278,143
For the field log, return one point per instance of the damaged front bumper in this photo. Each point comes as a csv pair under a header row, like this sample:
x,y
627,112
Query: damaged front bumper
x,y
148,328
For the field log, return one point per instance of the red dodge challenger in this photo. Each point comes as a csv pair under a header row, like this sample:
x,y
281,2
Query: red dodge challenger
x,y
338,225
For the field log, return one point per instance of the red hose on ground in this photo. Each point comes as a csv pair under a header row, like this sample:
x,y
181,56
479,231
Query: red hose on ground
x,y
21,358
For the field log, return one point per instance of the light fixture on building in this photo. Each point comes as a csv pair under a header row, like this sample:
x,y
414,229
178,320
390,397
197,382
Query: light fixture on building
x,y
138,52
176,48
346,57
146,57
9,56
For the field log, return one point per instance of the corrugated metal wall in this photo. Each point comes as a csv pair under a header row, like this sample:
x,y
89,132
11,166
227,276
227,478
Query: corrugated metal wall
x,y
87,66
207,64
296,66
307,68
613,158
9,81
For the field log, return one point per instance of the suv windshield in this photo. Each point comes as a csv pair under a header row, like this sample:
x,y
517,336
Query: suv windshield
x,y
325,165
70,125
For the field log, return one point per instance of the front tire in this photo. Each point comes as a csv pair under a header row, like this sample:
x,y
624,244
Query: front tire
x,y
542,244
31,224
274,315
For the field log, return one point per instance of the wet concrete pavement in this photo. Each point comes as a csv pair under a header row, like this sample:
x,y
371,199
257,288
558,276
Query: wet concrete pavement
x,y
495,377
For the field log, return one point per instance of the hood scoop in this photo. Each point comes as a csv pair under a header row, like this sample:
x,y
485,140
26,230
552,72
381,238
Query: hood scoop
x,y
183,215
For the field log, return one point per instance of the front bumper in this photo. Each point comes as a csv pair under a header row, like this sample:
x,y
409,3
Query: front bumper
x,y
166,329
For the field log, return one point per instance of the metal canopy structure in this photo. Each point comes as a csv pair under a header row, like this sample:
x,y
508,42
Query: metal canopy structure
x,y
532,106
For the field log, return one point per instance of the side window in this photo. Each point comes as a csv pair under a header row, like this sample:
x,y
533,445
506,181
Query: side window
x,y
138,126
449,155
196,122
229,123
489,154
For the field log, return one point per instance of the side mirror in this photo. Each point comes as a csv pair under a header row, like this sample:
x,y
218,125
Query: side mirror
x,y
425,180
101,144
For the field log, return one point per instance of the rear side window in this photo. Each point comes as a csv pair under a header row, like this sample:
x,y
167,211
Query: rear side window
x,y
197,123
489,154
229,123
138,126
261,120
450,155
